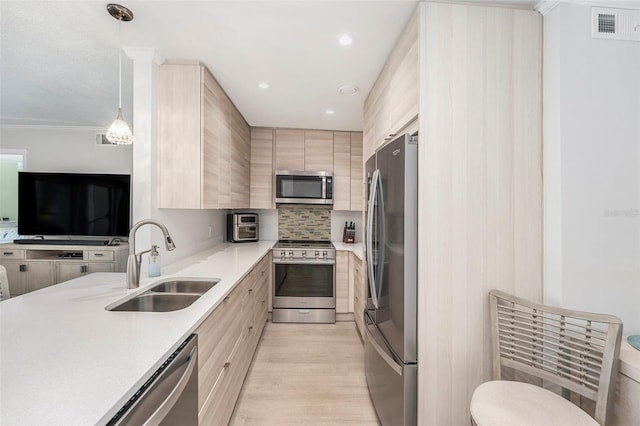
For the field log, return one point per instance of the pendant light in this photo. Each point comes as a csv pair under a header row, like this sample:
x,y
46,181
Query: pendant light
x,y
119,132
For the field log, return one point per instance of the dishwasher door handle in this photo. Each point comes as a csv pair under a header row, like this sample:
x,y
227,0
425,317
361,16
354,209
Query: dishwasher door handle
x,y
175,394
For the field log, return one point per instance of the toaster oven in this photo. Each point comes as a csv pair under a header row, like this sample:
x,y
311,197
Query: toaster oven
x,y
242,227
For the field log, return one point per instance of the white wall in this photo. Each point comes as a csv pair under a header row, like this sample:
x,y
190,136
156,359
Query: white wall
x,y
66,149
591,168
339,217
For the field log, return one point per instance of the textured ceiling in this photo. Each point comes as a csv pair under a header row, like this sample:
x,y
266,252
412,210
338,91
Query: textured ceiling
x,y
59,59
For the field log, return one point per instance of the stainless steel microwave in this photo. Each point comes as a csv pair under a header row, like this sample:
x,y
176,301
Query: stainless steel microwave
x,y
300,187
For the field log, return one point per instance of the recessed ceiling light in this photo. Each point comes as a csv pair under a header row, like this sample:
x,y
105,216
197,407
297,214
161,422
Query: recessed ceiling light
x,y
345,39
264,85
329,112
348,89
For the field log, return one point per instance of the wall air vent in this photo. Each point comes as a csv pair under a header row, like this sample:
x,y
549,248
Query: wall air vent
x,y
615,24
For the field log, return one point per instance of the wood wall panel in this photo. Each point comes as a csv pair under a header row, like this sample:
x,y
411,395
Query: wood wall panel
x,y
480,189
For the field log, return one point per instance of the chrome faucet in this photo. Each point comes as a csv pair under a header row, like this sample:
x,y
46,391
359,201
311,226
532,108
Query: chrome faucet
x,y
135,259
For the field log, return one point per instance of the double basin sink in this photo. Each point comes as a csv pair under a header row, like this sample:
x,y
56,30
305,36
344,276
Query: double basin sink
x,y
166,296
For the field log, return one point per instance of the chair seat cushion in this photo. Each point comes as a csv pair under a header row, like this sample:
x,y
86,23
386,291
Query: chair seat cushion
x,y
503,402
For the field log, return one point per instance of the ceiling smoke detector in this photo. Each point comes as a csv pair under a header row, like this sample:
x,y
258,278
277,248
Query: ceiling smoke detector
x,y
348,89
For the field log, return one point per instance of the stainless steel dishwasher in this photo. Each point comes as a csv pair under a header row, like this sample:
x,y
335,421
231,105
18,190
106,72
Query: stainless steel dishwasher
x,y
170,396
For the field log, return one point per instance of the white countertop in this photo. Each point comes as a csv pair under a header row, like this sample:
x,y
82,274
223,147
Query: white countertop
x,y
65,360
356,248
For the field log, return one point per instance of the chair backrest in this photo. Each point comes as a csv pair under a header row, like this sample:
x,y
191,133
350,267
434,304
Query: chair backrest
x,y
4,284
575,350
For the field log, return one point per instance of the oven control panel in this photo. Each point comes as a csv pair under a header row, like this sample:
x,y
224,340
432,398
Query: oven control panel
x,y
303,254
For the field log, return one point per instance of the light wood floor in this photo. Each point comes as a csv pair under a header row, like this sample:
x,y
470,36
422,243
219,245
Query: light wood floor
x,y
306,374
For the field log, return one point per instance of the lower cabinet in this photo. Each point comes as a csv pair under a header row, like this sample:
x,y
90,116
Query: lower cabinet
x,y
359,292
227,340
342,281
68,271
25,277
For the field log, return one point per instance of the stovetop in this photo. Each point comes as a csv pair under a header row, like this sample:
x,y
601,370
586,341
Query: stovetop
x,y
304,244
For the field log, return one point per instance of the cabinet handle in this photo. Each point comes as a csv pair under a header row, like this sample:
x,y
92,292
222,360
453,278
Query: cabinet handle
x,y
262,273
225,299
250,327
23,268
250,290
98,254
8,253
226,365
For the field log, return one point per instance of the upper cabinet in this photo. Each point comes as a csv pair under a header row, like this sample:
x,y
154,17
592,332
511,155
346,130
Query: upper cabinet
x,y
394,99
203,142
307,150
289,149
262,168
318,151
347,171
342,170
357,182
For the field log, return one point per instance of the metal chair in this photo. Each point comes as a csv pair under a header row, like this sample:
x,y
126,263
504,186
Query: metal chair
x,y
4,284
576,351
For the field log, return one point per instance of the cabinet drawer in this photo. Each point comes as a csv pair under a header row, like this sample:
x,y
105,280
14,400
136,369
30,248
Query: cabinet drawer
x,y
98,255
11,254
216,339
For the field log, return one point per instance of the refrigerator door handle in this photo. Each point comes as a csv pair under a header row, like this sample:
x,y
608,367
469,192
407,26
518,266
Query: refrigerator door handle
x,y
371,277
384,353
382,239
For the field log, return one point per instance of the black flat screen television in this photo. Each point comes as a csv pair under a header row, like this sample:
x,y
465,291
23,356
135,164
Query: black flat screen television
x,y
73,204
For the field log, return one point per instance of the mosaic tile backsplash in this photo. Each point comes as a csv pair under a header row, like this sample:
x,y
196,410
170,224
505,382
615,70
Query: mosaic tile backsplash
x,y
301,222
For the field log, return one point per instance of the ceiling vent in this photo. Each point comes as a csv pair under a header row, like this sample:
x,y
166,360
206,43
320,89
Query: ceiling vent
x,y
615,24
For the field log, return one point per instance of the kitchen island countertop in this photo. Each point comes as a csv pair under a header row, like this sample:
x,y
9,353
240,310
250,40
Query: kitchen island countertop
x,y
64,359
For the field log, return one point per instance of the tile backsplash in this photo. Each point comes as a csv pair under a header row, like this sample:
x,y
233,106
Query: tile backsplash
x,y
304,222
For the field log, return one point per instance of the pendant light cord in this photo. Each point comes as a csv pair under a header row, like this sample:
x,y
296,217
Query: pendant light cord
x,y
120,64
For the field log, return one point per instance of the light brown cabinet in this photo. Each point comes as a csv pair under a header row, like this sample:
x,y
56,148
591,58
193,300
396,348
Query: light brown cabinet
x,y
342,170
262,168
27,276
342,282
357,187
43,265
347,171
69,270
289,149
393,102
359,297
318,151
203,142
227,340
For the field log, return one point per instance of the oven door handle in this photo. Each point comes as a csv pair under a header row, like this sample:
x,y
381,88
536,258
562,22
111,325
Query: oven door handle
x,y
304,262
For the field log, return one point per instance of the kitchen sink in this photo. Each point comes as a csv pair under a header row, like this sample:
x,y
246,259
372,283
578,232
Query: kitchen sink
x,y
157,302
184,286
166,296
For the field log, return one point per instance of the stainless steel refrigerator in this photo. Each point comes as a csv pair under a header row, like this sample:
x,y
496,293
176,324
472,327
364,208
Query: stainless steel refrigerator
x,y
391,252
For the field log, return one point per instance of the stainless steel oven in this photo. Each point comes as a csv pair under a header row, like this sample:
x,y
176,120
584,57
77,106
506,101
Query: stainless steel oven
x,y
304,288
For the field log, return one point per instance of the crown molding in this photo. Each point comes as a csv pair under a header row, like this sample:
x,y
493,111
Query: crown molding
x,y
546,6
95,129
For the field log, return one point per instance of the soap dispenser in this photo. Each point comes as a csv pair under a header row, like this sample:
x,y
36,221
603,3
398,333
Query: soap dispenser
x,y
154,262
